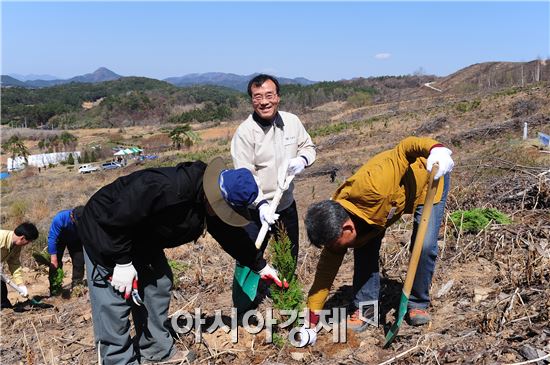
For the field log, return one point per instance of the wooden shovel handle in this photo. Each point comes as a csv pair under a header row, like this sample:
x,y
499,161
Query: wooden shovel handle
x,y
273,208
421,233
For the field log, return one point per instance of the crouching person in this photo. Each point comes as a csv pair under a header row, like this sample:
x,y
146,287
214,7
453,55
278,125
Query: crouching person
x,y
11,243
63,234
389,185
126,226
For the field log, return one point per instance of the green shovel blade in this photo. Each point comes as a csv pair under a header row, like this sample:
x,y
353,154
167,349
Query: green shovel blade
x,y
245,287
392,333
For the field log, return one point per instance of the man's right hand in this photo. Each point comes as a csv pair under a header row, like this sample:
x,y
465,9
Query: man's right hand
x,y
53,260
123,277
441,156
23,291
308,332
266,216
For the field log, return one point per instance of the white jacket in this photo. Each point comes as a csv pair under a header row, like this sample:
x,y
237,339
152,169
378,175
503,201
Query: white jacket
x,y
266,150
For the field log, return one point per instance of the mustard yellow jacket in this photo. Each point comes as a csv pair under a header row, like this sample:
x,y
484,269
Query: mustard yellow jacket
x,y
392,183
10,254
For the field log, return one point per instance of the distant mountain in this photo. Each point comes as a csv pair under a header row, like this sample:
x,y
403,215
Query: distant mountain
x,y
487,75
33,77
232,81
229,80
100,75
10,81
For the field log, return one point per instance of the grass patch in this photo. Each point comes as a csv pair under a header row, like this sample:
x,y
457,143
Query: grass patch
x,y
466,106
279,340
474,220
178,268
335,128
205,155
18,210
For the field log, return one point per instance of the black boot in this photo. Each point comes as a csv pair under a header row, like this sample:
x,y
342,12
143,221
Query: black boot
x,y
5,302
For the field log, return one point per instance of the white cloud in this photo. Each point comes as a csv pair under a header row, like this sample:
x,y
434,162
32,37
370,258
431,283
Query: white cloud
x,y
382,56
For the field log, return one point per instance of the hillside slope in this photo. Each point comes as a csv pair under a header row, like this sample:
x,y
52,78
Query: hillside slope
x,y
491,290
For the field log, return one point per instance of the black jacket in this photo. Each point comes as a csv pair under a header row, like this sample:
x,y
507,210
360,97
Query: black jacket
x,y
150,210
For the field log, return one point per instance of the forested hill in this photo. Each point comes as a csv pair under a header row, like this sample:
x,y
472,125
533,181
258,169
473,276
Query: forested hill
x,y
134,101
139,101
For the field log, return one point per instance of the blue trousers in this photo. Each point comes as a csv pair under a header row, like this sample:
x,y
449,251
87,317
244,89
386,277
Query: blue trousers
x,y
366,270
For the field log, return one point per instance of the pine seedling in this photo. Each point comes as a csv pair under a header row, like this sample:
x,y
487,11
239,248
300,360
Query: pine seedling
x,y
55,276
56,281
291,298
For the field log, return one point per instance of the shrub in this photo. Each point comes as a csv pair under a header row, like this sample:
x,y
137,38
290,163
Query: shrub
x,y
41,258
359,99
70,159
477,219
522,108
466,106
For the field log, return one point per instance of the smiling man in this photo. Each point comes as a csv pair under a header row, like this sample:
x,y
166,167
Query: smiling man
x,y
272,144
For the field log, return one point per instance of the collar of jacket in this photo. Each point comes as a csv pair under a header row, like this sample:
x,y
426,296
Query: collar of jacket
x,y
189,179
277,121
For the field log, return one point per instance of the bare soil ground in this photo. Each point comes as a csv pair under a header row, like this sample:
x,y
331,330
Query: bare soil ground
x,y
491,290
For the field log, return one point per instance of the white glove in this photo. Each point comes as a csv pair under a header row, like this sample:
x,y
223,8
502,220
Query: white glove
x,y
123,277
296,165
308,336
441,155
266,215
23,290
269,273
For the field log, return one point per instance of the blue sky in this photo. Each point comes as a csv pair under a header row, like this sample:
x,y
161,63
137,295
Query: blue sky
x,y
316,40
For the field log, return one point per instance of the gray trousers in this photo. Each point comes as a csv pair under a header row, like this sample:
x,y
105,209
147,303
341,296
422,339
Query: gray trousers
x,y
111,312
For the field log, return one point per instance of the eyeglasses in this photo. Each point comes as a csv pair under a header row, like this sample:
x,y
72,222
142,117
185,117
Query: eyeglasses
x,y
258,98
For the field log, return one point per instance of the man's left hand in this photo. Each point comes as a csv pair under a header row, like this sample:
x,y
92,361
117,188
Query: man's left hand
x,y
270,274
442,156
296,166
308,336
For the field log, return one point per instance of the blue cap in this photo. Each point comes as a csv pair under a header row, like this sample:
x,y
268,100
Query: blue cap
x,y
229,192
238,187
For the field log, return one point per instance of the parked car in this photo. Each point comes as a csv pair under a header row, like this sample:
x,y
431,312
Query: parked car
x,y
87,168
110,165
